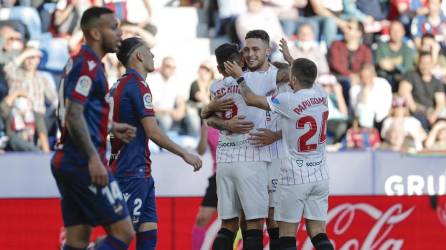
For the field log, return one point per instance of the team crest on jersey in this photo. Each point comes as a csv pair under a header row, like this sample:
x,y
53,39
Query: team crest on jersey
x,y
83,85
91,65
148,101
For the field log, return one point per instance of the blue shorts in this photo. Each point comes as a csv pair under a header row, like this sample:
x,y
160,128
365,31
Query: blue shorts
x,y
85,204
139,193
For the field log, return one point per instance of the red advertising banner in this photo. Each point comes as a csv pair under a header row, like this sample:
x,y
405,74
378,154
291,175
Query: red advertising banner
x,y
354,222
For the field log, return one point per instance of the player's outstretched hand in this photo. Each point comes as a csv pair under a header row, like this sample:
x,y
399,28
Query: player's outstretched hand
x,y
98,173
262,137
123,131
284,49
233,69
193,160
221,104
239,125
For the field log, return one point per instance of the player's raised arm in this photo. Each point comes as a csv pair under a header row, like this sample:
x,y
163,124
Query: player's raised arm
x,y
79,133
250,97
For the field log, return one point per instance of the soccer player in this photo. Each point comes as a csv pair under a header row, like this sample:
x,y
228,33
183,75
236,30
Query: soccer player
x,y
130,163
303,184
265,78
90,195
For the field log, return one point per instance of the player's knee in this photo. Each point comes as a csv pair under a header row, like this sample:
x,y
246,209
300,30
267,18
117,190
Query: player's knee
x,y
254,224
230,224
321,242
123,230
315,227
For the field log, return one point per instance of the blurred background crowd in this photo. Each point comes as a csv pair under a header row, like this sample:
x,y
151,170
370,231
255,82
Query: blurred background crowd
x,y
382,62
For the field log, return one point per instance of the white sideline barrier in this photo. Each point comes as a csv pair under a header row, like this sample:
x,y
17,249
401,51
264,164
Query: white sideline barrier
x,y
352,173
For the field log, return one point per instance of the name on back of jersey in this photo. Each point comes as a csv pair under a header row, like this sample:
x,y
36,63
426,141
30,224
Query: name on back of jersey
x,y
309,103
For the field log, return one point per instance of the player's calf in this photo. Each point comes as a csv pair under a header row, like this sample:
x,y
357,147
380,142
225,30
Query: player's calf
x,y
226,235
147,236
273,231
319,238
119,235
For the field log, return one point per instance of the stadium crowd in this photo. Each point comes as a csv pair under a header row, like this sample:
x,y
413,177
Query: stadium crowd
x,y
383,63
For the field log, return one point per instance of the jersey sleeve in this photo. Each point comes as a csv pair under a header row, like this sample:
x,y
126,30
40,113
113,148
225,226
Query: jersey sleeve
x,y
280,104
79,83
142,100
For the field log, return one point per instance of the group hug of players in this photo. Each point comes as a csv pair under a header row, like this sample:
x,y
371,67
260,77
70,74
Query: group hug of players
x,y
270,154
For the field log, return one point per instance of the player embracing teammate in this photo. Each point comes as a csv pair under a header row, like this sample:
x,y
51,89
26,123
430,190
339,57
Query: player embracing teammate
x,y
303,182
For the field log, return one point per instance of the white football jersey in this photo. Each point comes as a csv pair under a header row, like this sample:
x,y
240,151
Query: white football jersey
x,y
274,124
304,125
237,147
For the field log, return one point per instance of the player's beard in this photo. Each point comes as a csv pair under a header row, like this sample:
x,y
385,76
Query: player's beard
x,y
256,66
108,47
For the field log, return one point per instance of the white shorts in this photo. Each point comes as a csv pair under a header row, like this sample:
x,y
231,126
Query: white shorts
x,y
309,200
242,185
273,180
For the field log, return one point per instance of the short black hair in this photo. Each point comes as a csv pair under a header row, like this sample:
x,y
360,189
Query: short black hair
x,y
305,71
91,15
127,47
259,34
227,52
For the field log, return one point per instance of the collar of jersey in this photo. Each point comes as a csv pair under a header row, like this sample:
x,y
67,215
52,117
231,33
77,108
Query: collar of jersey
x,y
90,51
133,71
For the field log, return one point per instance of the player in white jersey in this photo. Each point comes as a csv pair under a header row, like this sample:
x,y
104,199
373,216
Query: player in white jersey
x,y
303,184
264,77
241,167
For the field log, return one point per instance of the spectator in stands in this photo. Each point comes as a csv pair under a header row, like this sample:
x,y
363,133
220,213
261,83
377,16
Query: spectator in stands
x,y
372,8
308,47
65,21
405,10
12,43
394,58
199,96
347,57
20,121
371,99
361,138
432,23
169,104
436,140
432,46
337,123
22,75
228,12
326,15
351,10
401,131
290,14
423,93
259,17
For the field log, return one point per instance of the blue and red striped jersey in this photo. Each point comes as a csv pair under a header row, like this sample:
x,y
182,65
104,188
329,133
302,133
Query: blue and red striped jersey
x,y
132,101
83,82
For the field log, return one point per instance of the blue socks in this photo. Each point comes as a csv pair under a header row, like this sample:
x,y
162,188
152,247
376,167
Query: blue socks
x,y
146,240
112,243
